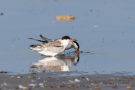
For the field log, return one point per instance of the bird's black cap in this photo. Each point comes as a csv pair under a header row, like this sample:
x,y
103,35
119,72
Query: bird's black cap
x,y
66,37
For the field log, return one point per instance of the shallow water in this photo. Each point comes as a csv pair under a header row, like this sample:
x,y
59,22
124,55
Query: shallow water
x,y
104,27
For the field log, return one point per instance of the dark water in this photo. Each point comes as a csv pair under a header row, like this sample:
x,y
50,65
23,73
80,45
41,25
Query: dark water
x,y
104,27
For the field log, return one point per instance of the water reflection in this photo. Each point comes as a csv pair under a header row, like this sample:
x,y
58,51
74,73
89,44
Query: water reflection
x,y
56,64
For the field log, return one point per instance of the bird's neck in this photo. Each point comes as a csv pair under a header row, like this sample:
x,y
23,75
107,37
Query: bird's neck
x,y
65,43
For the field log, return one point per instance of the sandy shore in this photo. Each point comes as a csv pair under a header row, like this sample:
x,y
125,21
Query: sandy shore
x,y
66,81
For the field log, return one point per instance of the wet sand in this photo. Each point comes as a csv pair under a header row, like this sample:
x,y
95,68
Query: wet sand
x,y
66,81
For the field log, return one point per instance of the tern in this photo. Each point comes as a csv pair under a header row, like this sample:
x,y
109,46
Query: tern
x,y
55,47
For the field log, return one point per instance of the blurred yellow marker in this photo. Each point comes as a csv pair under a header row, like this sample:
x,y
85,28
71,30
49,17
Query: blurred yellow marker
x,y
68,18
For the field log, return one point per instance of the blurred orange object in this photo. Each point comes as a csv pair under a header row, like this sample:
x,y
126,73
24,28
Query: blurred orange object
x,y
65,18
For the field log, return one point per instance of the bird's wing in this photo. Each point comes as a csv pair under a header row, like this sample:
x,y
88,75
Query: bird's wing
x,y
43,41
45,38
56,43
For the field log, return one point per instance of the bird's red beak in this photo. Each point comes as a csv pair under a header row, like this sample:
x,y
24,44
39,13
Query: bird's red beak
x,y
77,51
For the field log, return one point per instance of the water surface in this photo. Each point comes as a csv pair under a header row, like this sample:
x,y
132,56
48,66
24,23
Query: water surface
x,y
105,27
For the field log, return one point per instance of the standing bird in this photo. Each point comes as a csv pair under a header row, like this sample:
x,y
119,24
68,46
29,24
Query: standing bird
x,y
55,47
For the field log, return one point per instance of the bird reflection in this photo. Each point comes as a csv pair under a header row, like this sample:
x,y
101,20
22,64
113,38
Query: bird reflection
x,y
59,63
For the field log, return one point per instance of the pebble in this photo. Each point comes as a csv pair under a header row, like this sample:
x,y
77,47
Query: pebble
x,y
4,84
22,87
87,79
18,77
33,81
77,80
41,85
32,85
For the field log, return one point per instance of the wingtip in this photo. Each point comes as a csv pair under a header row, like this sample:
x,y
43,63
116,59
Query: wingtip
x,y
32,46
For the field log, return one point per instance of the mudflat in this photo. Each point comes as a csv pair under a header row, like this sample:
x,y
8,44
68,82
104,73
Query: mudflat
x,y
66,81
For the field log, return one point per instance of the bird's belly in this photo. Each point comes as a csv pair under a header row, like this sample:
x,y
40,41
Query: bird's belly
x,y
51,52
48,53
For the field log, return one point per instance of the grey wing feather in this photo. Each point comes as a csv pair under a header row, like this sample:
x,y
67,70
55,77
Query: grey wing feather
x,y
38,40
54,44
45,38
